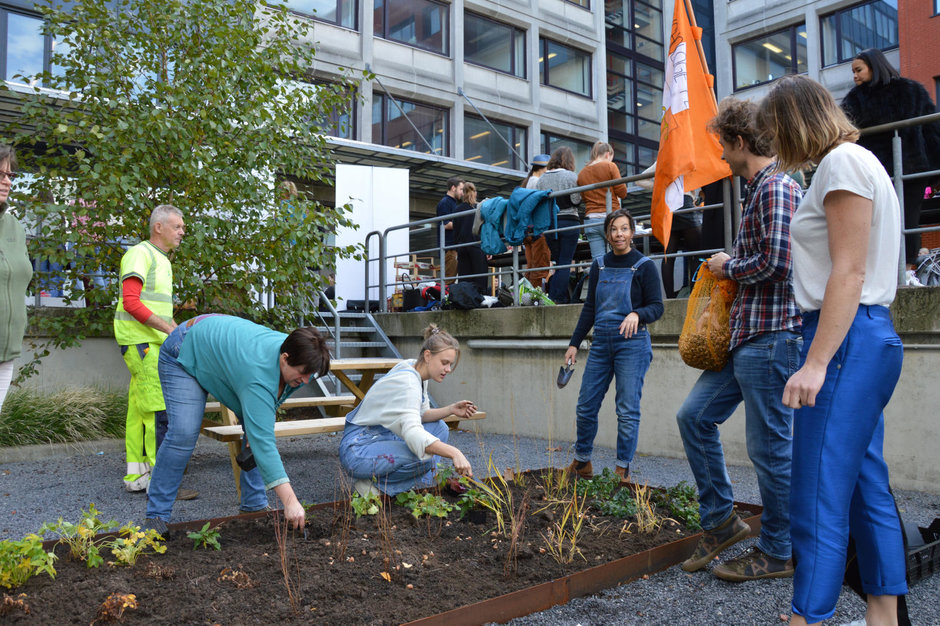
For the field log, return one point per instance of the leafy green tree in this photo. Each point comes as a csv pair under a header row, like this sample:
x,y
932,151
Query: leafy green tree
x,y
203,104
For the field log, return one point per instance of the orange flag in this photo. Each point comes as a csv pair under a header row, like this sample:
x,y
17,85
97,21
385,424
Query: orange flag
x,y
689,155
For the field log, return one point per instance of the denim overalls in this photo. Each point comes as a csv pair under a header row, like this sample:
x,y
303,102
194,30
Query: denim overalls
x,y
375,452
613,355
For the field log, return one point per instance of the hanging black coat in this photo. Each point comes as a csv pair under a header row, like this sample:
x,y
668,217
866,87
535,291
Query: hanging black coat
x,y
900,99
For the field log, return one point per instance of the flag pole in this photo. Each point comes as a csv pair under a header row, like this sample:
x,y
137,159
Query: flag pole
x,y
698,46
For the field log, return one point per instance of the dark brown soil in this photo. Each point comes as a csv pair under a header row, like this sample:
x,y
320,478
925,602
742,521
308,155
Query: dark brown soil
x,y
345,570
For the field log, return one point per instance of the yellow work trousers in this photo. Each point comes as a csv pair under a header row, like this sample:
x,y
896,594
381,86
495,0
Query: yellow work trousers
x,y
144,399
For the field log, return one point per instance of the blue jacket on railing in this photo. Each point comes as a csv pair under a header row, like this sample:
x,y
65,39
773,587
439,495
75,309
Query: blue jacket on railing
x,y
491,212
530,212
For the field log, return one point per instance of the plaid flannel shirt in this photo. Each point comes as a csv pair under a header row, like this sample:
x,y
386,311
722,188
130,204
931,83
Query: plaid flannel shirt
x,y
761,261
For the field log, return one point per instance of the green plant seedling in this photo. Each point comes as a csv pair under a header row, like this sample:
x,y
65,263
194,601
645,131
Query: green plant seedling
x,y
621,505
425,504
365,505
132,543
23,559
205,537
682,502
82,538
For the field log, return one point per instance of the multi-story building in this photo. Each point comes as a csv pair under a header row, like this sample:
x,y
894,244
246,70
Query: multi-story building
x,y
919,30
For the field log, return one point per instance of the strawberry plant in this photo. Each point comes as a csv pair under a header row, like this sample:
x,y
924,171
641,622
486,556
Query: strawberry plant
x,y
132,543
425,504
682,502
365,505
82,538
23,559
205,537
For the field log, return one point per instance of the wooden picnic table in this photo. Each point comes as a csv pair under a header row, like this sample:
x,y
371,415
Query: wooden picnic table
x,y
367,366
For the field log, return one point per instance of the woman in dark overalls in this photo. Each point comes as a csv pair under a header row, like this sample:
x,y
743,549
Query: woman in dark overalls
x,y
624,295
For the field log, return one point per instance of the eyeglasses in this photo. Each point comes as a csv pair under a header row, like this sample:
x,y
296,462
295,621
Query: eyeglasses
x,y
11,175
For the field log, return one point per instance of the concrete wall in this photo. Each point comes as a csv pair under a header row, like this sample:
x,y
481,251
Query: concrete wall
x,y
510,358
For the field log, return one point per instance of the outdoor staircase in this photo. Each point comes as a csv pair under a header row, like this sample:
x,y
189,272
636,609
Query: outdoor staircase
x,y
350,334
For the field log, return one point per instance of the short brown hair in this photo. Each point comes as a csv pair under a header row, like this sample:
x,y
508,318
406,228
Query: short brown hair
x,y
803,122
7,153
738,118
562,158
609,221
307,350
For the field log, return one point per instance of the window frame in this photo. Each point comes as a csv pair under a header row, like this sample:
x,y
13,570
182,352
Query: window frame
x,y
446,52
793,29
545,74
5,11
386,101
545,144
512,42
517,130
586,4
314,16
838,28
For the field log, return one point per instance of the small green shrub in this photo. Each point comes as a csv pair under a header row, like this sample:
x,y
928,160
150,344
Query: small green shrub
x,y
622,505
601,487
23,559
73,414
132,544
205,537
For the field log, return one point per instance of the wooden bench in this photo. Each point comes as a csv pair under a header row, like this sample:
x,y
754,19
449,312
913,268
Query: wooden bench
x,y
230,431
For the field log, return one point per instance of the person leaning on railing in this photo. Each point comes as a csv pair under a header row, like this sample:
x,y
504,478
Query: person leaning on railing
x,y
880,96
558,176
15,274
600,169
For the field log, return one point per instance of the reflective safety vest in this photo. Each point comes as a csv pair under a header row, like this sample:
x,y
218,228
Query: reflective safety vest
x,y
151,265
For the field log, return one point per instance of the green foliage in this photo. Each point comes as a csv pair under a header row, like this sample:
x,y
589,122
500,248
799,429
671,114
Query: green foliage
x,y
82,538
205,537
131,544
602,487
443,473
365,505
427,503
198,103
472,498
76,414
23,559
622,504
682,502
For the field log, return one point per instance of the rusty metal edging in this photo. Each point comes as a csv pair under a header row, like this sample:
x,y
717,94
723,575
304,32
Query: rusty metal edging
x,y
586,582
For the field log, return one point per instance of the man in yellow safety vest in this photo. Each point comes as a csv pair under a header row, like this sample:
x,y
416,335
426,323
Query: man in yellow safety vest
x,y
142,320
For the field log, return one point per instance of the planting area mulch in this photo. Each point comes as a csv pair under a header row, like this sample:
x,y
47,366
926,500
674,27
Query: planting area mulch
x,y
387,568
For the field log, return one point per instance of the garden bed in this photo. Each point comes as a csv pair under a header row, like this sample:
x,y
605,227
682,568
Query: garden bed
x,y
387,568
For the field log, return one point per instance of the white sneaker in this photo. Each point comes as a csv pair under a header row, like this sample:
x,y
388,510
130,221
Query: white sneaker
x,y
912,281
365,487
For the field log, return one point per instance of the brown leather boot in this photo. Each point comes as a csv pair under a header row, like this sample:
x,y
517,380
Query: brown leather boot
x,y
581,469
624,473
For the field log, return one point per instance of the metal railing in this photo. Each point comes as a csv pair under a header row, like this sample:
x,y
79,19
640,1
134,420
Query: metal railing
x,y
730,205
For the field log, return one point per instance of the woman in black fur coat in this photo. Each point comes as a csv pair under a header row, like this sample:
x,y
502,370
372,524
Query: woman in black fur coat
x,y
880,96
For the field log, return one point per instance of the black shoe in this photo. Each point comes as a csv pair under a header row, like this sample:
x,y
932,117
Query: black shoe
x,y
157,524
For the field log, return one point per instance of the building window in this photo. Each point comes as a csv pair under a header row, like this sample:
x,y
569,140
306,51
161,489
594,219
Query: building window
x,y
339,12
635,25
391,128
494,45
564,67
24,50
847,32
766,58
581,149
419,23
634,97
487,144
587,3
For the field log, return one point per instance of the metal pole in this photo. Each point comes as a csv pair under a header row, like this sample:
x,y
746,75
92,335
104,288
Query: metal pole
x,y
515,275
460,91
726,210
442,255
899,189
383,278
401,110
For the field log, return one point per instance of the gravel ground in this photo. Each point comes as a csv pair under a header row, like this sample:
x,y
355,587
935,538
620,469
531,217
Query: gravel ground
x,y
33,492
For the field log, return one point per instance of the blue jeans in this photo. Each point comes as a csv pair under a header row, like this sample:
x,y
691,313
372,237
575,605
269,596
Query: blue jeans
x,y
840,480
375,452
594,233
628,360
566,244
185,405
756,373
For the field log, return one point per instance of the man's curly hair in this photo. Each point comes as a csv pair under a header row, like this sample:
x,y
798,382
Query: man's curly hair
x,y
739,118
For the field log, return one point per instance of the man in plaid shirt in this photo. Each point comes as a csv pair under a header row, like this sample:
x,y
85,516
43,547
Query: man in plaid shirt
x,y
765,352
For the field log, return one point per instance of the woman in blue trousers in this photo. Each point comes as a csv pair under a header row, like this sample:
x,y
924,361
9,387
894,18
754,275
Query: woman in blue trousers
x,y
846,246
624,295
393,439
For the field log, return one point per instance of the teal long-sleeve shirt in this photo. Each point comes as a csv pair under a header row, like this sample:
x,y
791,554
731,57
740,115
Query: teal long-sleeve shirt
x,y
237,362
